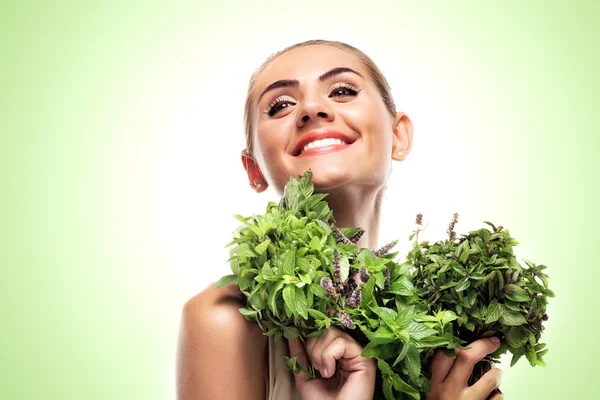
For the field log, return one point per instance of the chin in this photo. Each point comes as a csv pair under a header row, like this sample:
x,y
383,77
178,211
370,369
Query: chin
x,y
328,177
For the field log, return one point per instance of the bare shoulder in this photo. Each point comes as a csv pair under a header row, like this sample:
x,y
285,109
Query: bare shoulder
x,y
220,353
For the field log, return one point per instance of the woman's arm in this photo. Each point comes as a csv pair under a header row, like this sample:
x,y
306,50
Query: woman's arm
x,y
220,354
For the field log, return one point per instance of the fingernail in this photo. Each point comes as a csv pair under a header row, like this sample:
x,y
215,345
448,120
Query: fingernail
x,y
324,373
495,339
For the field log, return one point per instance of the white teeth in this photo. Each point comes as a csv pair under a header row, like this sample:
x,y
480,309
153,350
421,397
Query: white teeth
x,y
322,143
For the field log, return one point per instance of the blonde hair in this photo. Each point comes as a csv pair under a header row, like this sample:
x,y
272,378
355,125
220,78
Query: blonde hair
x,y
372,69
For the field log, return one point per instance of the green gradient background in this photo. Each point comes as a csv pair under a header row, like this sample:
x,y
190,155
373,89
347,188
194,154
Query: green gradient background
x,y
87,311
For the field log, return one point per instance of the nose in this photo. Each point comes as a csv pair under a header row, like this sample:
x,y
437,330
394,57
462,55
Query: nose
x,y
314,110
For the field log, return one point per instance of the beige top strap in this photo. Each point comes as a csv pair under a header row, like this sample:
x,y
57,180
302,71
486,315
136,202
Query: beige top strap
x,y
281,381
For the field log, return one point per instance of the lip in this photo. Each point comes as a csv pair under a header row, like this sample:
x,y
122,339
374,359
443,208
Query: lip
x,y
318,135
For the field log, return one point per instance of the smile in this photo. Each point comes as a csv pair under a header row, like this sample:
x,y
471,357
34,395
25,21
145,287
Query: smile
x,y
319,144
321,141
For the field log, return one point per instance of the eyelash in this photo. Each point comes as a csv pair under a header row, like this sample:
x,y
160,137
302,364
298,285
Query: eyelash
x,y
353,91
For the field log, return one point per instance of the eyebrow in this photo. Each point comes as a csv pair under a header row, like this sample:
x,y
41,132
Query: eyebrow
x,y
294,82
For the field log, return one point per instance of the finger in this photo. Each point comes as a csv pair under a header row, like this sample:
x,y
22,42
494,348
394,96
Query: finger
x,y
339,349
466,359
297,350
311,349
316,346
484,386
440,366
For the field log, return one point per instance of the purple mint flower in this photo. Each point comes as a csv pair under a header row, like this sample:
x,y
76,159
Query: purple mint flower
x,y
340,237
451,233
419,220
355,297
357,236
364,275
353,300
325,282
386,273
345,319
328,285
337,269
385,249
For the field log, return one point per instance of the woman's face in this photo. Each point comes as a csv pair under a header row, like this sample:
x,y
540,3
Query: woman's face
x,y
317,108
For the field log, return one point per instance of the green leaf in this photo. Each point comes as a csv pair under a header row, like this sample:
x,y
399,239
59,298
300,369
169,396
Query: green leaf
x,y
515,293
317,290
517,336
432,341
384,367
463,284
490,224
445,316
266,271
372,350
515,358
324,225
472,297
248,312
289,297
367,292
288,260
413,361
381,336
511,318
249,222
386,314
258,298
402,354
531,356
227,280
290,332
344,268
301,303
243,250
315,244
387,387
380,279
261,248
316,334
401,286
272,300
419,331
494,311
448,285
404,387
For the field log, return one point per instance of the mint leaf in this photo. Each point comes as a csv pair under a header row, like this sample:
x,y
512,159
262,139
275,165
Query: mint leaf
x,y
226,280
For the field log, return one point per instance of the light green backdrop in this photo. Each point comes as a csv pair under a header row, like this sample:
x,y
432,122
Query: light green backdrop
x,y
93,96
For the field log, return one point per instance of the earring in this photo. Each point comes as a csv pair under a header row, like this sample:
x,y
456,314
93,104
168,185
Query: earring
x,y
257,184
401,153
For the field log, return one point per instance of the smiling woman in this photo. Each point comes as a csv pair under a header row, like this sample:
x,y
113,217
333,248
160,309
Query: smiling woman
x,y
323,106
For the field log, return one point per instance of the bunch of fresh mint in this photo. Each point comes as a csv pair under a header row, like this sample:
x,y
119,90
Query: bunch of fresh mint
x,y
301,274
479,278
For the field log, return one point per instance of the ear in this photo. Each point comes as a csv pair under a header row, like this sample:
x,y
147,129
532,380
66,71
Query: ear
x,y
403,136
255,178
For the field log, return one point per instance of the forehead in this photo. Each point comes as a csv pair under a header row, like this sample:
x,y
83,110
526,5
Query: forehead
x,y
306,64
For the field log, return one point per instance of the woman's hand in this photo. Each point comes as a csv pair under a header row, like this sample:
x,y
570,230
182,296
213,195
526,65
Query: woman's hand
x,y
346,375
450,377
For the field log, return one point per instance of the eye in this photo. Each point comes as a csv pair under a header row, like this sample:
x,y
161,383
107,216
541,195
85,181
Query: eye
x,y
279,104
343,89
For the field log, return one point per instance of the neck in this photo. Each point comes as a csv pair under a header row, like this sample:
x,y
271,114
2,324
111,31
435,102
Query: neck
x,y
358,209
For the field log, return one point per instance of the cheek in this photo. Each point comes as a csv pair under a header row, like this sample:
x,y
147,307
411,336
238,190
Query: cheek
x,y
268,140
271,144
372,121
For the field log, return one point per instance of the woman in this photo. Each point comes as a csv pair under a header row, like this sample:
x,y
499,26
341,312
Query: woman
x,y
325,106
